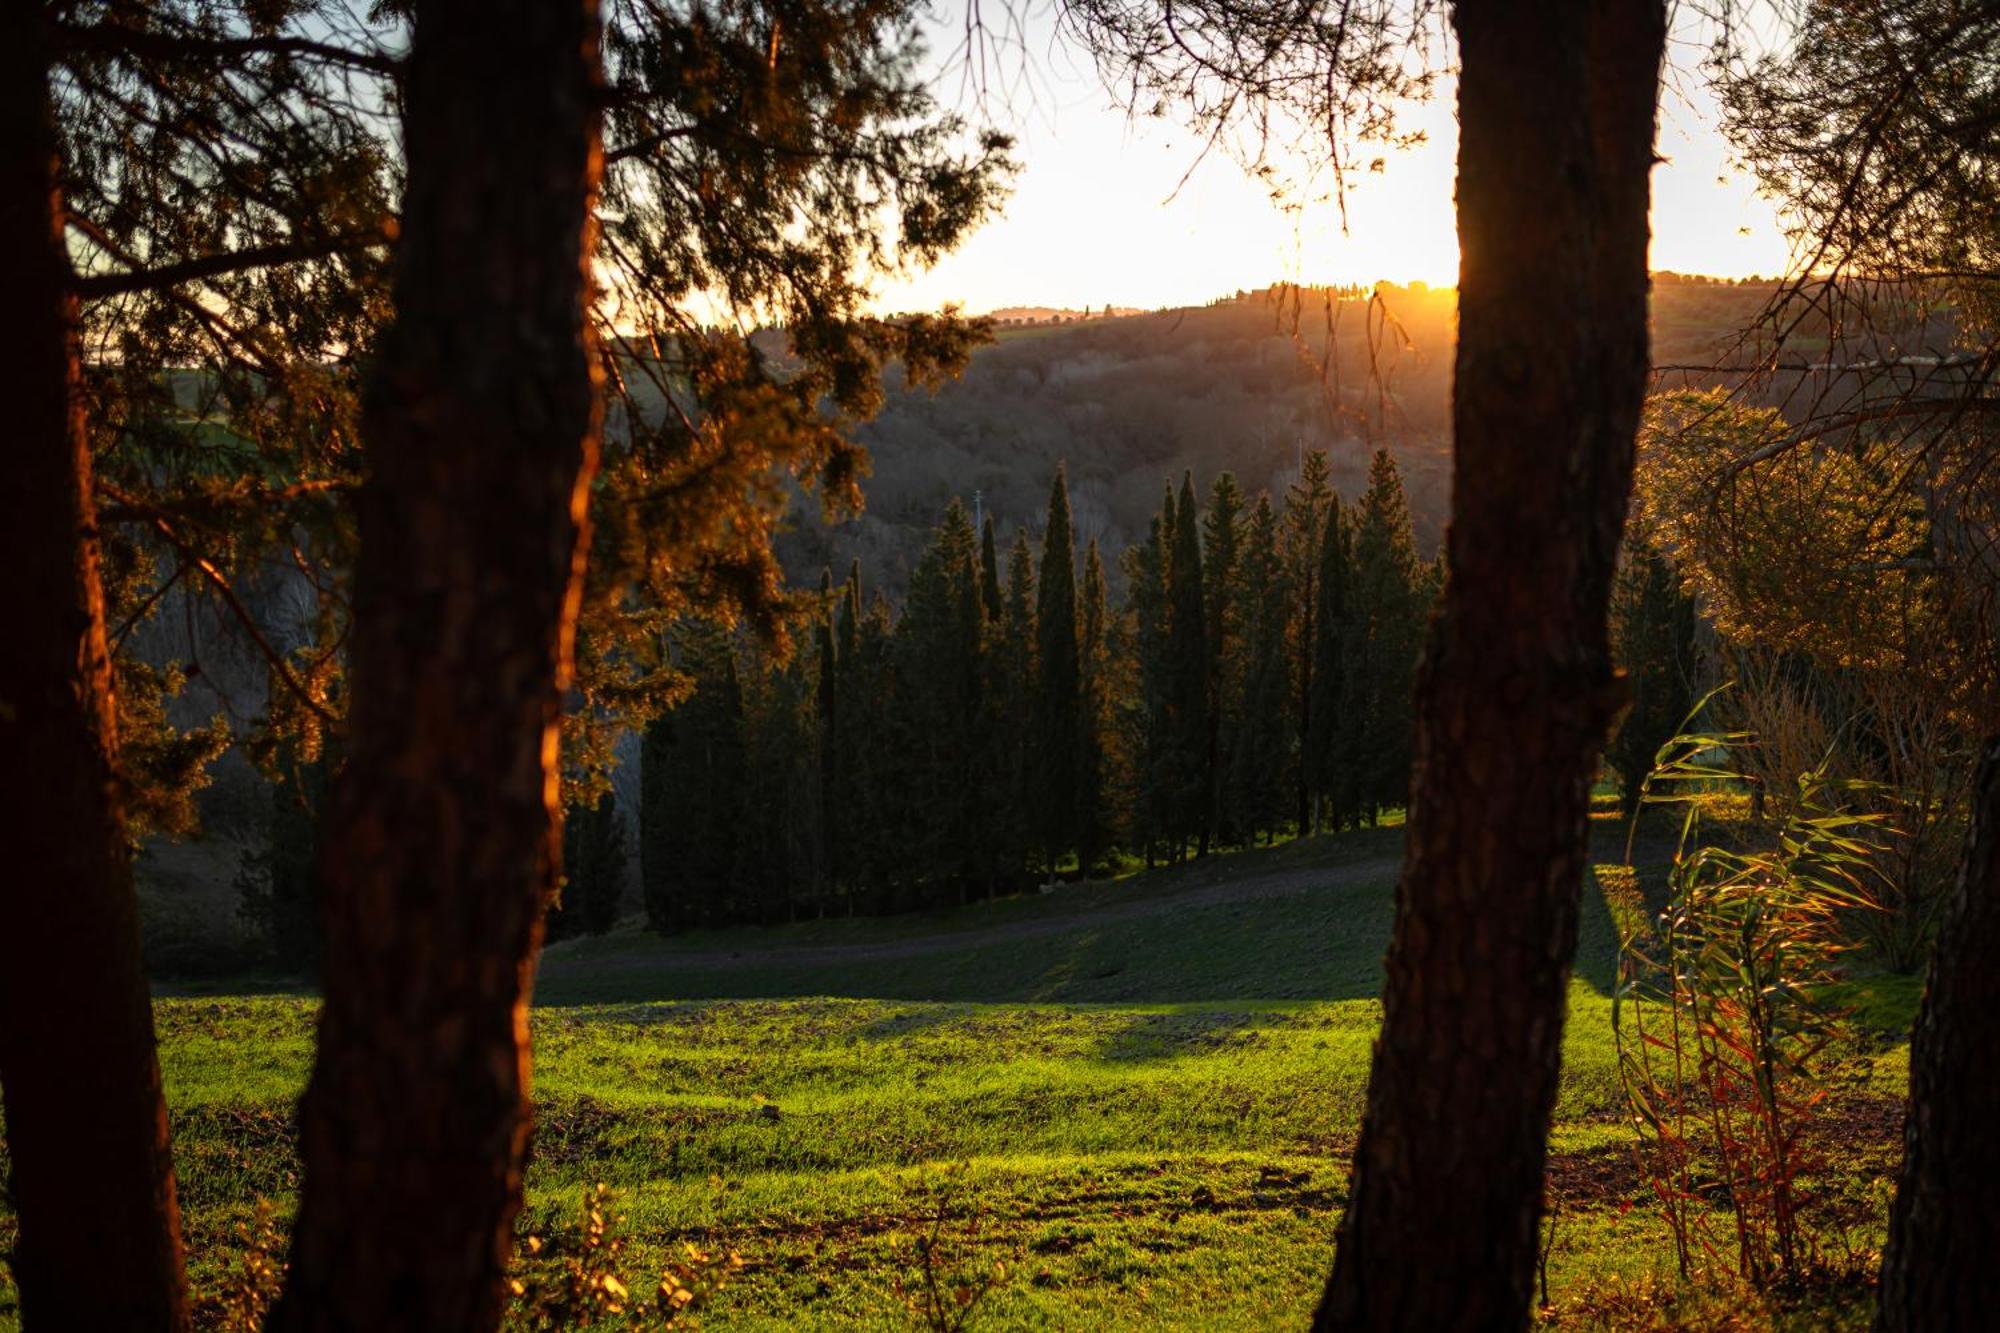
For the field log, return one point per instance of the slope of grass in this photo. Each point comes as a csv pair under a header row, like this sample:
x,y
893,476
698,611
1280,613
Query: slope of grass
x,y
1143,1115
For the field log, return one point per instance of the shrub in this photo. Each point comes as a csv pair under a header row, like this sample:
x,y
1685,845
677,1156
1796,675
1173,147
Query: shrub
x,y
577,1276
1720,1026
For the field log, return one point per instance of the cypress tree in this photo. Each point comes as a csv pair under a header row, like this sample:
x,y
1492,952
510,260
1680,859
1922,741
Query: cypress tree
x,y
1147,726
1187,665
1384,638
989,573
872,814
692,794
1013,799
849,812
938,642
279,887
1222,536
969,715
828,709
1331,755
1306,503
657,785
850,612
593,869
1257,778
778,846
1058,735
995,738
717,801
1099,688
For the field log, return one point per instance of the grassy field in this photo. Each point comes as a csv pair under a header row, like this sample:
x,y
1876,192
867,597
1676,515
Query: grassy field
x,y
1138,1098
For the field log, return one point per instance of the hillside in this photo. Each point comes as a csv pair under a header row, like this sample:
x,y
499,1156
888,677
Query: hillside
x,y
1242,384
1127,402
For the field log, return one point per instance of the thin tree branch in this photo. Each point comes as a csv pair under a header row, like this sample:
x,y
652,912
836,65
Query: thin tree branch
x,y
119,512
1815,430
97,285
115,39
641,146
280,668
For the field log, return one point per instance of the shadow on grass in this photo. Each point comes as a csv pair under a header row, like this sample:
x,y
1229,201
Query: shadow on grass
x,y
1294,934
1171,936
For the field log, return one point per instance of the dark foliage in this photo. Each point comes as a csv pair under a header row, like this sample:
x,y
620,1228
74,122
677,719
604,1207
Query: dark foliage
x,y
988,735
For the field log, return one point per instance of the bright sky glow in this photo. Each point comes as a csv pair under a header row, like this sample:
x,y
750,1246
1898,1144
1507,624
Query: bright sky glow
x,y
1095,217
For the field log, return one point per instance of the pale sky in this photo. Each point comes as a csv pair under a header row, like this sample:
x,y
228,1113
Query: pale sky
x,y
1095,217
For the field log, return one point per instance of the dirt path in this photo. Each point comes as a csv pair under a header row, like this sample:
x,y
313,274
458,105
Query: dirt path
x,y
1223,888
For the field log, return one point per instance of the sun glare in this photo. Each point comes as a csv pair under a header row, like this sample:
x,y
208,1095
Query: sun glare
x,y
1132,213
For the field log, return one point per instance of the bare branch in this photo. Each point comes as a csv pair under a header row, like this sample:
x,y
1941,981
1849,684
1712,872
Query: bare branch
x,y
98,285
115,39
1821,427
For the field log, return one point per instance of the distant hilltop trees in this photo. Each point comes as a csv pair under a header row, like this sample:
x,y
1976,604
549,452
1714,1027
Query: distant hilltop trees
x,y
1025,316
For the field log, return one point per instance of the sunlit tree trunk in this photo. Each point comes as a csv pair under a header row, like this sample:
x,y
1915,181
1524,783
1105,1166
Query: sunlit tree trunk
x,y
1942,1266
443,827
93,1183
1556,109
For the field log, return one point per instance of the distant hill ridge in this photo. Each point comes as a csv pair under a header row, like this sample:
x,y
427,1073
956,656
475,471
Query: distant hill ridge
x,y
1042,314
1243,383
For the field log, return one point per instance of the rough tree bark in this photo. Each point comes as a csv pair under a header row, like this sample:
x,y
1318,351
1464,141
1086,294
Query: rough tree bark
x,y
1516,692
1940,1268
93,1182
443,836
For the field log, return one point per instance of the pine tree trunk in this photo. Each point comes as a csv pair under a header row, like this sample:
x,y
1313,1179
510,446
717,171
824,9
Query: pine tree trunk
x,y
1556,105
1940,1269
93,1182
443,830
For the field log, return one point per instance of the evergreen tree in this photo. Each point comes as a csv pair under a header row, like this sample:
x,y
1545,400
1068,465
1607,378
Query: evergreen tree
x,y
849,813
970,718
1306,502
692,793
873,812
1384,636
938,645
1146,720
1430,583
1058,731
1187,667
594,857
278,884
1222,536
777,868
1332,750
850,612
995,739
1100,686
827,661
1257,787
989,573
1013,798
1653,624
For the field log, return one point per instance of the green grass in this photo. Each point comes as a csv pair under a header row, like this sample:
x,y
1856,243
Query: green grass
x,y
1145,1115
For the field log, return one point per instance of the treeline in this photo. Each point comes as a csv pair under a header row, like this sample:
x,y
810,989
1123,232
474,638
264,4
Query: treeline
x,y
1009,723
